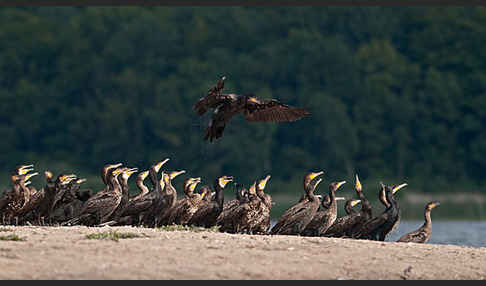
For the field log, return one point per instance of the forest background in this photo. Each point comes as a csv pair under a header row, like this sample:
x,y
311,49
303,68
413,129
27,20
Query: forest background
x,y
396,94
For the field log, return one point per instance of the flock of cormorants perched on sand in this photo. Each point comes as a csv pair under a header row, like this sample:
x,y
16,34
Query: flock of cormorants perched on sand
x,y
63,202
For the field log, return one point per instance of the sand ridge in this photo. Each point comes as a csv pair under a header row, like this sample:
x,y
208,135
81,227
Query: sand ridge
x,y
66,253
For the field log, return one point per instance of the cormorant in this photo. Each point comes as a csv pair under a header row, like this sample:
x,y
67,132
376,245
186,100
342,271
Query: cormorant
x,y
171,202
226,106
98,208
377,228
207,214
225,220
28,197
341,224
185,207
105,169
45,207
16,192
156,195
347,225
324,217
421,235
141,202
169,198
253,215
13,199
262,220
295,219
17,200
123,181
242,215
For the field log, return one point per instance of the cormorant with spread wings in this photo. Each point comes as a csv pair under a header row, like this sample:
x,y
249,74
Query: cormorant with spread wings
x,y
228,105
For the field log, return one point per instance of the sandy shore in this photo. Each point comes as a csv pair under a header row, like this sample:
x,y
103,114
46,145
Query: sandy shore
x,y
67,253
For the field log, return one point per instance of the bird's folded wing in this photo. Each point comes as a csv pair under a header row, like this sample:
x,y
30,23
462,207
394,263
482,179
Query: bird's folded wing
x,y
414,237
273,111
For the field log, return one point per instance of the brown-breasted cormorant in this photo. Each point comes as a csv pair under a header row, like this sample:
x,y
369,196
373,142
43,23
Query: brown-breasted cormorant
x,y
324,217
347,225
171,201
377,228
225,220
341,224
296,218
99,207
168,200
241,216
139,203
207,214
156,195
105,169
259,220
421,235
123,181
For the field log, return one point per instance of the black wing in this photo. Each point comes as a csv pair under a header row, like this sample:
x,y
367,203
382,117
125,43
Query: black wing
x,y
272,111
212,99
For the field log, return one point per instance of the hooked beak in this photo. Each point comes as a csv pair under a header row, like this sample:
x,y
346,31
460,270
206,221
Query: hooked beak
x,y
228,179
358,186
80,181
314,175
355,202
340,198
131,171
25,169
160,164
175,174
31,175
338,185
115,165
397,188
435,204
263,182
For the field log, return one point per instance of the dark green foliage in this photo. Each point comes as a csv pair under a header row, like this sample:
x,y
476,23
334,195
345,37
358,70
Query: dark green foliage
x,y
395,93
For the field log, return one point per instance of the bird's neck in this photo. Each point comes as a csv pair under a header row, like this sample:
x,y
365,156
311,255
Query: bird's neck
x,y
115,186
310,194
428,220
153,178
219,197
143,189
349,209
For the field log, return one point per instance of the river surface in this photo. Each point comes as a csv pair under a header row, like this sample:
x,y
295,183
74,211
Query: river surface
x,y
464,233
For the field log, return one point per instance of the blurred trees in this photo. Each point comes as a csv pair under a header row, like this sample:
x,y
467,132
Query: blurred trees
x,y
396,93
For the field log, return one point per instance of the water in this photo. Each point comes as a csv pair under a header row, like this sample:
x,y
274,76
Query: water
x,y
463,233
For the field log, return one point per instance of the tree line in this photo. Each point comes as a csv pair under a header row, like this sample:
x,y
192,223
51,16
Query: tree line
x,y
395,93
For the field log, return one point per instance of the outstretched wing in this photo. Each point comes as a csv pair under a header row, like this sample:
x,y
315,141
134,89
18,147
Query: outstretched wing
x,y
212,99
272,111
